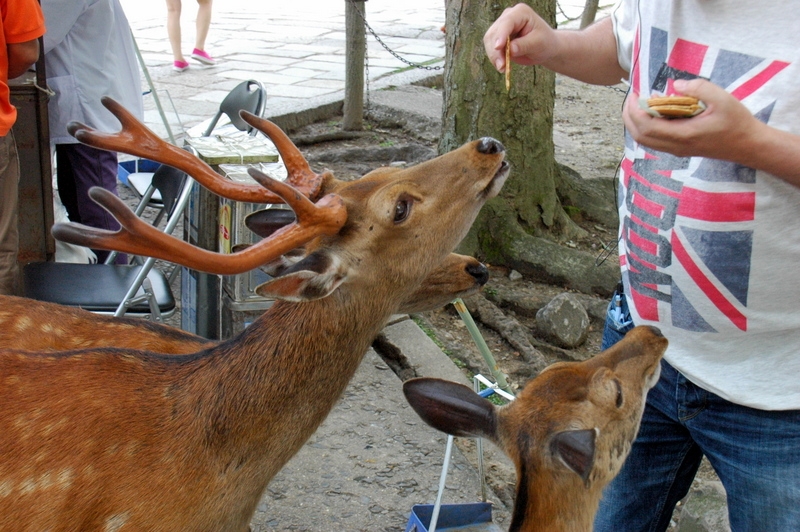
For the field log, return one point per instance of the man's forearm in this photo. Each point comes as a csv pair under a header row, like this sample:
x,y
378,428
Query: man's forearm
x,y
774,151
588,55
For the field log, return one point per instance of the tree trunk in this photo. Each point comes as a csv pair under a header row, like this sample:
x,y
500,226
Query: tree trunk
x,y
476,104
589,12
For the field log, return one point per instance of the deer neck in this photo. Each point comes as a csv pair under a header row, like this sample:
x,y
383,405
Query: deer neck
x,y
273,385
553,502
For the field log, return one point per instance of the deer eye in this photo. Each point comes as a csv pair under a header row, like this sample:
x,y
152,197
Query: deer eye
x,y
401,210
619,393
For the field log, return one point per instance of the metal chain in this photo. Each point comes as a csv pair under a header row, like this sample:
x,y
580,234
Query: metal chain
x,y
395,54
417,65
564,14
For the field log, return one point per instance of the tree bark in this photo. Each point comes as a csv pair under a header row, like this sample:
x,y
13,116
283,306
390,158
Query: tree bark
x,y
589,12
527,216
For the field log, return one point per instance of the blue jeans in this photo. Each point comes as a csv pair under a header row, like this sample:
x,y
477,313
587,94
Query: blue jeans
x,y
755,453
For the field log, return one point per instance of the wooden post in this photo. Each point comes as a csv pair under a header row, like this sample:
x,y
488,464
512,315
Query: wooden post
x,y
354,65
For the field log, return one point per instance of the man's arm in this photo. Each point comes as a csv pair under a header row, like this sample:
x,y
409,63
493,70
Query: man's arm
x,y
21,56
588,55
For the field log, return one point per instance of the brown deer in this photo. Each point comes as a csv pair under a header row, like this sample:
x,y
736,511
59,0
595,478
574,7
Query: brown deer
x,y
125,439
39,326
568,432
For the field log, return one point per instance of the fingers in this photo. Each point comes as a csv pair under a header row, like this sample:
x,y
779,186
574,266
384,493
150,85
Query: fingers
x,y
645,128
692,87
514,22
494,41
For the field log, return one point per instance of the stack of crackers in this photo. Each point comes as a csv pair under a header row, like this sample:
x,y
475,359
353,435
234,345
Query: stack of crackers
x,y
674,106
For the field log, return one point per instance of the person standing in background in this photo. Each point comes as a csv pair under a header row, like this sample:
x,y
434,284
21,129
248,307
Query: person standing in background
x,y
22,25
174,31
89,53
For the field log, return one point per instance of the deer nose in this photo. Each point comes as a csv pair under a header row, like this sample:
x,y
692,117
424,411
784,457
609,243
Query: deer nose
x,y
489,146
655,330
479,272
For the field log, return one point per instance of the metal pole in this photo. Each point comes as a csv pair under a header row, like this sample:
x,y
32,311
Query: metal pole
x,y
442,480
356,43
466,317
153,90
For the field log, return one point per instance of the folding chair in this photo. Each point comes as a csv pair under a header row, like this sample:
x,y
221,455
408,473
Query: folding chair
x,y
249,95
133,289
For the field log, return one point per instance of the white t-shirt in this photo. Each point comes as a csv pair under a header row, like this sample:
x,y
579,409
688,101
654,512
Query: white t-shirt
x,y
710,250
89,53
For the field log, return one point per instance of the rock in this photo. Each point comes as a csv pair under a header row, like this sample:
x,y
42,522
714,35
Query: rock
x,y
596,307
564,321
514,275
705,509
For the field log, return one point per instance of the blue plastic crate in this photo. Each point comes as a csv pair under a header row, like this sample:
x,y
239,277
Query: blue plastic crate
x,y
472,517
125,168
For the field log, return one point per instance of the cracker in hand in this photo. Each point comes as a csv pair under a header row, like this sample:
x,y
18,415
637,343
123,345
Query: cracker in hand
x,y
508,63
673,106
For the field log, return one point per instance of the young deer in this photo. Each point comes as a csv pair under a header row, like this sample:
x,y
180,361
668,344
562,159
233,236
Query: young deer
x,y
124,439
568,432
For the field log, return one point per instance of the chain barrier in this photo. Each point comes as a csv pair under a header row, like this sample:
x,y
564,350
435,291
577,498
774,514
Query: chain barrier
x,y
392,52
395,54
420,66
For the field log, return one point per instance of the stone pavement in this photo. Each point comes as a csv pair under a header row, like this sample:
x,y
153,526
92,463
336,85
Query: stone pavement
x,y
297,50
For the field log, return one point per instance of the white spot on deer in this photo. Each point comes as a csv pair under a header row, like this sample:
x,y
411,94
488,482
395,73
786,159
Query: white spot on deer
x,y
28,486
115,522
6,487
64,479
23,324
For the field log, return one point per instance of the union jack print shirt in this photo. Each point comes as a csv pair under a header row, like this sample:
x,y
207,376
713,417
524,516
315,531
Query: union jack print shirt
x,y
709,249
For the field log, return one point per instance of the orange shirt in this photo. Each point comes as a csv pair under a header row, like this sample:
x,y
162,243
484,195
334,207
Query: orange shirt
x,y
22,22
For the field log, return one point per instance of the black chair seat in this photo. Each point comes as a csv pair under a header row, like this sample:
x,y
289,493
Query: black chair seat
x,y
94,287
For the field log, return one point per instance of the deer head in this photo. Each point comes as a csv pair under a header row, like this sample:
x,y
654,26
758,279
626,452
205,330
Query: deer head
x,y
568,432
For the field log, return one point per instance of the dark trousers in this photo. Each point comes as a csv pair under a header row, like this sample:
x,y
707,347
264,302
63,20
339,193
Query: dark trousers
x,y
80,167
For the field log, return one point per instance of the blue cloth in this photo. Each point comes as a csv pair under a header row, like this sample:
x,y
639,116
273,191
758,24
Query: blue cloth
x,y
618,320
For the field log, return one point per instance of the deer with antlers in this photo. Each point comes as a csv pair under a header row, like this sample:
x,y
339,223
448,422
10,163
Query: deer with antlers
x,y
568,432
118,438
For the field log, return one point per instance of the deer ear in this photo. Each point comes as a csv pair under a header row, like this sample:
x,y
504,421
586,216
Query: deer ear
x,y
452,408
266,221
575,448
314,277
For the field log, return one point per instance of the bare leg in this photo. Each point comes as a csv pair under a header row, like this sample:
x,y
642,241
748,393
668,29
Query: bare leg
x,y
174,28
203,22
